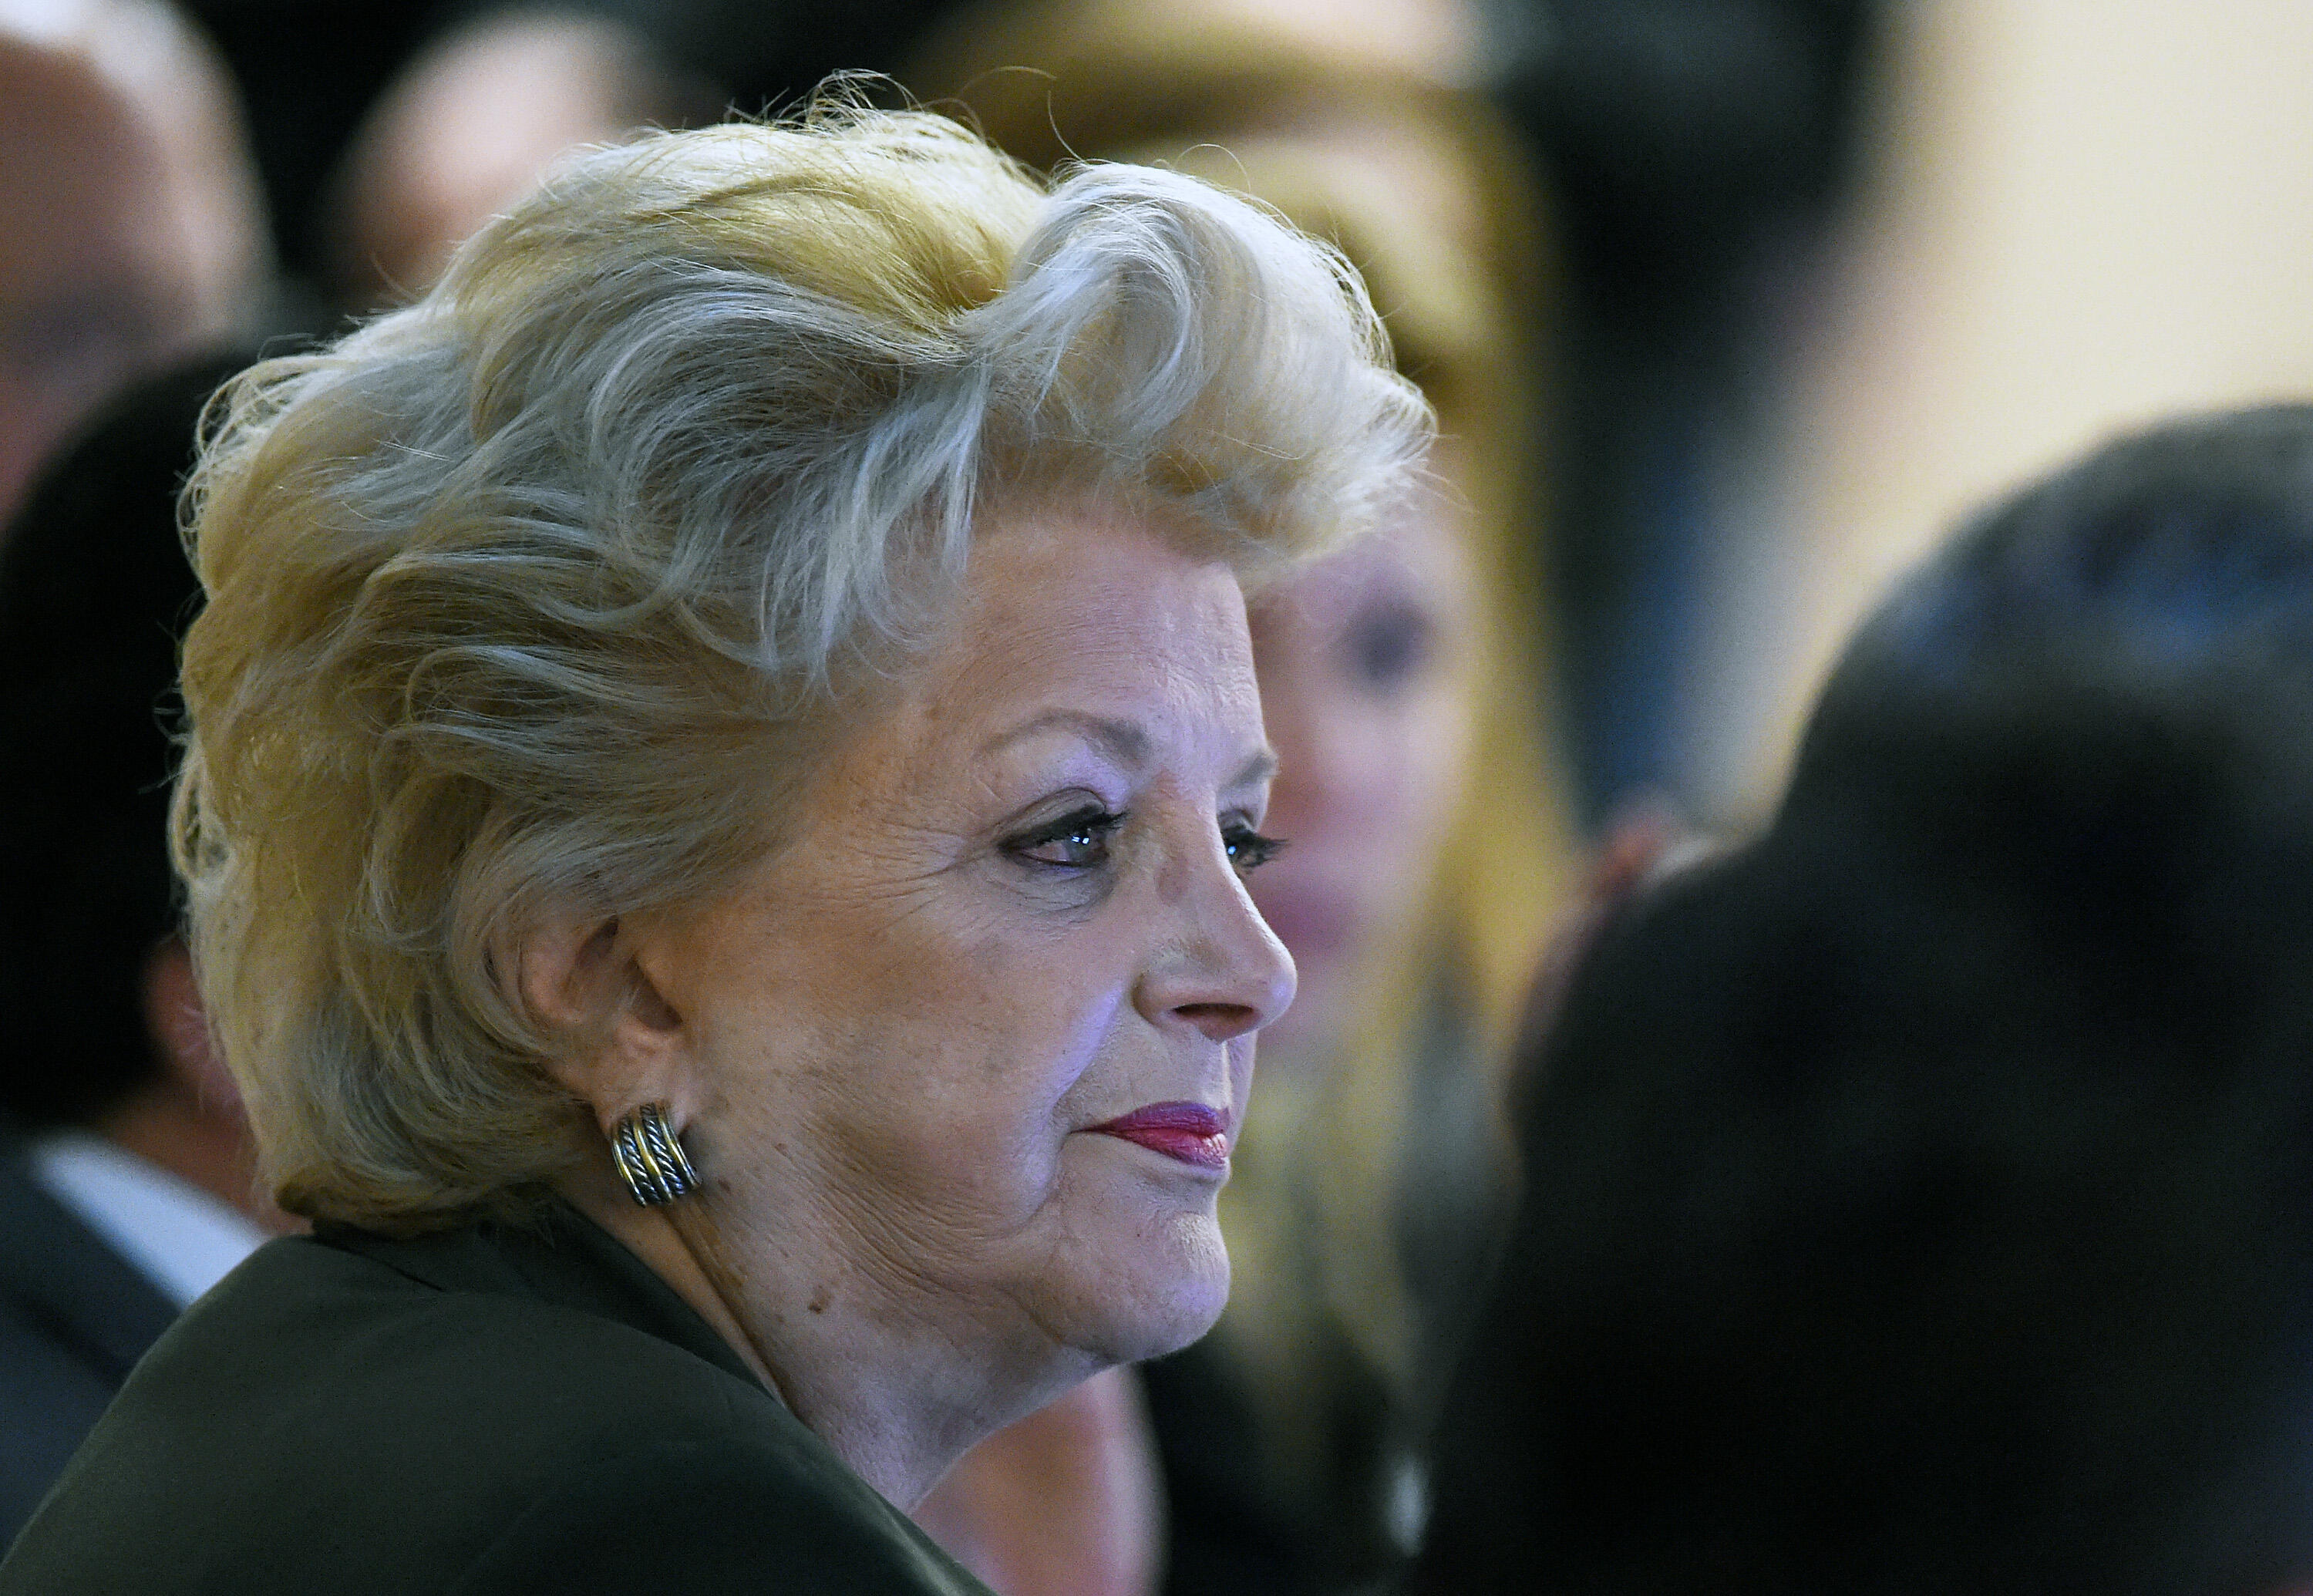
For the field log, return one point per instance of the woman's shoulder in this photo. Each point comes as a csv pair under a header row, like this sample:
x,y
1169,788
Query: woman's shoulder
x,y
458,1413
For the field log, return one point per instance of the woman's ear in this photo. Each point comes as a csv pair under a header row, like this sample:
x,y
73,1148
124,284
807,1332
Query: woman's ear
x,y
612,1036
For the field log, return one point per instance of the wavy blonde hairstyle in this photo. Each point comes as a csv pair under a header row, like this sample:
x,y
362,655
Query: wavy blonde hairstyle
x,y
550,589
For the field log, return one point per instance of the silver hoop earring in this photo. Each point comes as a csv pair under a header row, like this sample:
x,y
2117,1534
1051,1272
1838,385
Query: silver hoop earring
x,y
650,1157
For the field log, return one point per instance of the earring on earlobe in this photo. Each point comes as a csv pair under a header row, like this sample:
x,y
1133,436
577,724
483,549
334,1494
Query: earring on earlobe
x,y
650,1157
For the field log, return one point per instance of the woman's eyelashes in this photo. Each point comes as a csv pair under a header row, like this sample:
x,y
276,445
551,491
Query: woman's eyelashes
x,y
1247,849
1082,839
1075,841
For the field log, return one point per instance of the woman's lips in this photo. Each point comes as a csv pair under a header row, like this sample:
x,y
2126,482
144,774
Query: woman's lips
x,y
1188,1132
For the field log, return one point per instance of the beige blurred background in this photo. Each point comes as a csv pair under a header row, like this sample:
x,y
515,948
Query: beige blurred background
x,y
2077,215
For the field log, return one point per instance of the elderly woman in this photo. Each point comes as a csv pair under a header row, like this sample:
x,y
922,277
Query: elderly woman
x,y
724,759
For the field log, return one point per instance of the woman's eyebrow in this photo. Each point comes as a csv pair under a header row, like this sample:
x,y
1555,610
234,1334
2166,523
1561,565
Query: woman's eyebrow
x,y
1124,741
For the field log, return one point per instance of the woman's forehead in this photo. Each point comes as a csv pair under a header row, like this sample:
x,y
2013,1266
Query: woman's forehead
x,y
1092,634
1096,599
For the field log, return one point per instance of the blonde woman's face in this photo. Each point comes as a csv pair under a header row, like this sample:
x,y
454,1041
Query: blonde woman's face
x,y
1367,681
973,1044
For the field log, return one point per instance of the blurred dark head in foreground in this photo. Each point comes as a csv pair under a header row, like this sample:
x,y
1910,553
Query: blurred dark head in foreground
x,y
1922,1198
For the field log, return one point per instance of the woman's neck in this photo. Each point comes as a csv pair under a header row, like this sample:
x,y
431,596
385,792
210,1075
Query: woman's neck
x,y
898,1396
902,1409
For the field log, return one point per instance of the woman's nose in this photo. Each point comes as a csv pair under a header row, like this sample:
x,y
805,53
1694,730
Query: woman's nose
x,y
1227,974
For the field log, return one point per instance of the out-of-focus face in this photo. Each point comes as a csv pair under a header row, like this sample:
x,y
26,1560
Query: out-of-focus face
x,y
970,1045
94,283
1367,681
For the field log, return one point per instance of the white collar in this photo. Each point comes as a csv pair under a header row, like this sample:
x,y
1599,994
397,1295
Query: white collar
x,y
178,1236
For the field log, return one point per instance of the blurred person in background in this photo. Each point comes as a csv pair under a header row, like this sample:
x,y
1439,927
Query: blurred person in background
x,y
1700,155
1920,1199
126,1170
469,123
135,231
388,130
1400,683
483,95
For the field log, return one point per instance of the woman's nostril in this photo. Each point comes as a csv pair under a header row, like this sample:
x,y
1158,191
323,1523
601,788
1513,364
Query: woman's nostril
x,y
1221,1021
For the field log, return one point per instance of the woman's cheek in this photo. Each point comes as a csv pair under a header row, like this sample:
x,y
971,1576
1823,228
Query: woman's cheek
x,y
1432,756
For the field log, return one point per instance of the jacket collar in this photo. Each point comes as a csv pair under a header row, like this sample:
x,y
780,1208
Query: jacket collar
x,y
560,1257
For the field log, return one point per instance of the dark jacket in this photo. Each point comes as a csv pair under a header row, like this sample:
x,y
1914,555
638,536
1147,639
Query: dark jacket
x,y
74,1316
482,1410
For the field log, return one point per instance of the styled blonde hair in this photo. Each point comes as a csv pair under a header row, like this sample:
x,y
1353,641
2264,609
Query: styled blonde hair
x,y
548,589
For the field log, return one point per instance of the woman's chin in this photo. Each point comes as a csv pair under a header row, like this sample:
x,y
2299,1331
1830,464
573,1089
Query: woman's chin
x,y
1172,1297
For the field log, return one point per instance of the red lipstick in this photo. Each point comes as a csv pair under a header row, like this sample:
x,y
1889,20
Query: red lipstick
x,y
1188,1132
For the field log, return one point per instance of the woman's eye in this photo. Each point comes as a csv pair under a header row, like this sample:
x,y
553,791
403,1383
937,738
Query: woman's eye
x,y
1074,842
1247,849
1388,646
